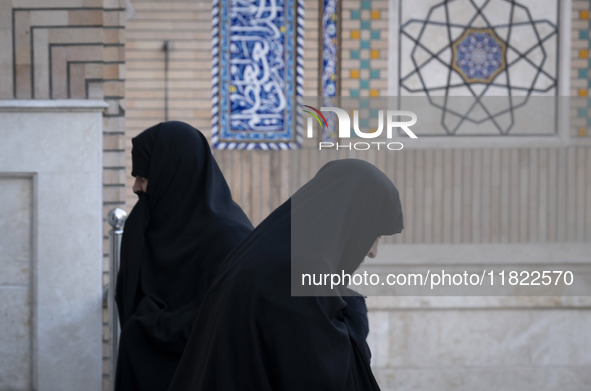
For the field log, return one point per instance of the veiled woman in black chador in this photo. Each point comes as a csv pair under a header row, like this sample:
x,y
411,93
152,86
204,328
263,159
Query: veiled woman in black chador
x,y
176,236
254,334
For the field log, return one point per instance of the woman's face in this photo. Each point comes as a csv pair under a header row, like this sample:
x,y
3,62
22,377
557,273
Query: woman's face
x,y
373,251
140,184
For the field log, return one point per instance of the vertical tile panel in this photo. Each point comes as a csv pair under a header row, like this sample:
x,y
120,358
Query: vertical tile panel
x,y
438,195
448,196
561,199
477,205
496,209
486,195
571,194
553,200
409,196
419,195
542,191
458,199
524,196
534,172
428,202
513,184
467,196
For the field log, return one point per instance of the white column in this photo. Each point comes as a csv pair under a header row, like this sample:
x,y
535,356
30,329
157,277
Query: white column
x,y
51,245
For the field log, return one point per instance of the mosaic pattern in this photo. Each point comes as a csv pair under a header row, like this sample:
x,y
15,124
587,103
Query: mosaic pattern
x,y
329,82
581,69
364,52
257,71
367,51
494,48
479,55
330,55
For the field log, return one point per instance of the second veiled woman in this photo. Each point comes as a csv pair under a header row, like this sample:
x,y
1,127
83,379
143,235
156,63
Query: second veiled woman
x,y
254,334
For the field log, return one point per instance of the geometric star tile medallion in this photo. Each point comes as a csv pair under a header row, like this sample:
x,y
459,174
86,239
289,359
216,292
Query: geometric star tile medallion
x,y
479,55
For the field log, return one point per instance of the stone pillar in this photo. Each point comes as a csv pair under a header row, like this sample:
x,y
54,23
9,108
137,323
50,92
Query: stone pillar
x,y
51,247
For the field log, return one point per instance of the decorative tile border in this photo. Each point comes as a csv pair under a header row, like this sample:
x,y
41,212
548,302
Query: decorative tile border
x,y
257,73
366,54
581,68
330,83
330,48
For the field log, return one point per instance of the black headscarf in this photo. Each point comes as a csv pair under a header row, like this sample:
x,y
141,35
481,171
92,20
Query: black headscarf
x,y
251,334
175,239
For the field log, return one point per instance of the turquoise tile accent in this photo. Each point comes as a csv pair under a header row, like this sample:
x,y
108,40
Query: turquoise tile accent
x,y
374,74
364,44
364,104
355,54
583,34
364,83
354,92
363,123
365,4
375,34
374,113
364,64
582,73
355,14
582,112
365,25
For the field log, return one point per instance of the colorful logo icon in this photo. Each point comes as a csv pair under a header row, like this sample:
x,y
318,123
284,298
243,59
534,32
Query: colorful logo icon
x,y
315,114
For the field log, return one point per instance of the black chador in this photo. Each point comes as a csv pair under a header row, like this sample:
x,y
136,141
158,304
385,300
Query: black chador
x,y
253,334
175,239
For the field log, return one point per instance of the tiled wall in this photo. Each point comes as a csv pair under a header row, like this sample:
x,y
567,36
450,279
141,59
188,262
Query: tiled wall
x,y
254,175
581,68
364,44
186,25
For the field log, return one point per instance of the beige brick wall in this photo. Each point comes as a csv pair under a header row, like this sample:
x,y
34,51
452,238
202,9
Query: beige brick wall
x,y
72,49
258,179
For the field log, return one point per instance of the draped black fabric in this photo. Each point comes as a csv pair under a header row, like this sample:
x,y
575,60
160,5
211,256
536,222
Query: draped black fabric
x,y
174,240
251,334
